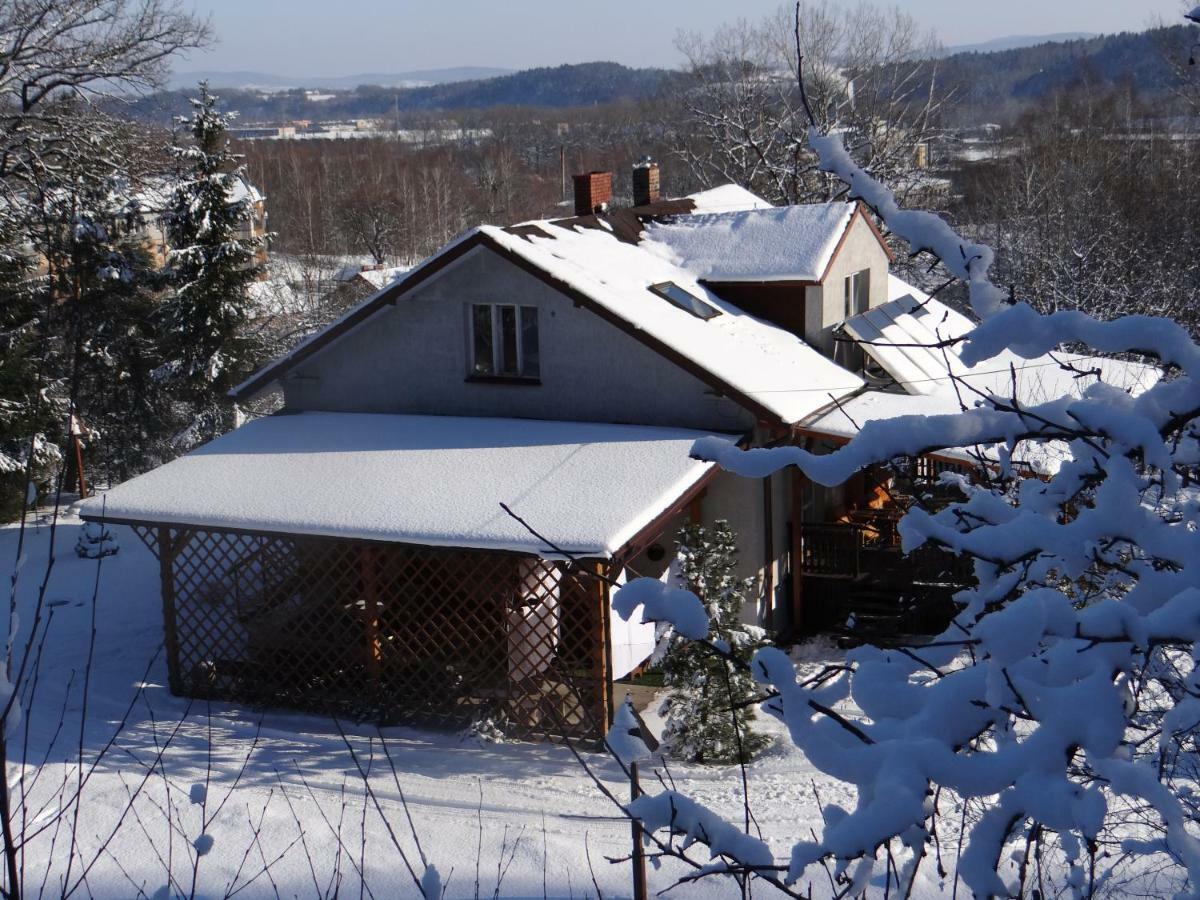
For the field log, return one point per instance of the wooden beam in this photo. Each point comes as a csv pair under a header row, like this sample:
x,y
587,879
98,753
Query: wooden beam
x,y
166,573
797,598
370,591
768,553
603,645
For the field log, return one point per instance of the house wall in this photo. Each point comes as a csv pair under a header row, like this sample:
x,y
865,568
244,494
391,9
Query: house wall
x,y
739,501
825,304
413,358
780,550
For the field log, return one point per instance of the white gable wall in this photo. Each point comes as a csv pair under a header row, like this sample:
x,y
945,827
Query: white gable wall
x,y
825,304
413,358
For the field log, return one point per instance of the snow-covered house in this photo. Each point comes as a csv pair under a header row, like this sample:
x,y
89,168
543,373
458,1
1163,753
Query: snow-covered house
x,y
354,548
152,200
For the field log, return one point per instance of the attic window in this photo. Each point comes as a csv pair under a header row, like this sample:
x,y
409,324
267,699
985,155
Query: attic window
x,y
504,341
688,302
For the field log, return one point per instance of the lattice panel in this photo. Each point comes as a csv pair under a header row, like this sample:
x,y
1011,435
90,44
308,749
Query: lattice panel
x,y
387,632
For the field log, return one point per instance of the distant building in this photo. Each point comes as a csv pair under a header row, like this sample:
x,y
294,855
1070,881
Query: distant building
x,y
263,132
151,203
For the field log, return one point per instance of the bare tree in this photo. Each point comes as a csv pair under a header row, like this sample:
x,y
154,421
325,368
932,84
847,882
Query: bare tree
x,y
1091,208
371,218
51,50
870,76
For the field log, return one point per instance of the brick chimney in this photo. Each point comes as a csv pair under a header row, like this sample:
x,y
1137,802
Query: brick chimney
x,y
593,191
645,182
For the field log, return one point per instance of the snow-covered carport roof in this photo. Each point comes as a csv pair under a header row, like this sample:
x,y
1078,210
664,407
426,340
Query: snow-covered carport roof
x,y
586,488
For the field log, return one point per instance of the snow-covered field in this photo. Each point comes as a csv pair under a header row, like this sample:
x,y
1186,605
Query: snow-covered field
x,y
286,808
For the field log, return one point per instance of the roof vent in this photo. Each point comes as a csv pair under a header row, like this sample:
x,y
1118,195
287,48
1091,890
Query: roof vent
x,y
593,191
645,182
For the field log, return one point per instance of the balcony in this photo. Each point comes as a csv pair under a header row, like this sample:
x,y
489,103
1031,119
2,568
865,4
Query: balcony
x,y
858,583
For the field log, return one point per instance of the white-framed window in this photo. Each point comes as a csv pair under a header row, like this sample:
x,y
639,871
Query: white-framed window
x,y
858,293
504,341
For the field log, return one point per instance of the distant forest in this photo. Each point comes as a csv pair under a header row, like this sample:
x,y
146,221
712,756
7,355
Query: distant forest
x,y
1001,85
995,85
567,86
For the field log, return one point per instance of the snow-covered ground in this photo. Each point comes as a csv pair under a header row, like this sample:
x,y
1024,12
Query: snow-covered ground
x,y
283,791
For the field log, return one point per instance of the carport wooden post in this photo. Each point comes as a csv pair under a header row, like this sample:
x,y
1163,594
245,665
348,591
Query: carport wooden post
x,y
167,551
603,645
370,588
797,550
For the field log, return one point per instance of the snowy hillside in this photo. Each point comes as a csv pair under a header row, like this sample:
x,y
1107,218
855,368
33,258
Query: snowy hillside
x,y
282,790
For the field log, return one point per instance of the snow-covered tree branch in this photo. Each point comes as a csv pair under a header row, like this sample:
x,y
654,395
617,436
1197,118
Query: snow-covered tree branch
x,y
1060,705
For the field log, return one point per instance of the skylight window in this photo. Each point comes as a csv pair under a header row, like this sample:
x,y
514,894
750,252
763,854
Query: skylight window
x,y
688,302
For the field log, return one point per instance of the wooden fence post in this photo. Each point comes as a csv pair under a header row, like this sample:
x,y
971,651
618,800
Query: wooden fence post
x,y
639,852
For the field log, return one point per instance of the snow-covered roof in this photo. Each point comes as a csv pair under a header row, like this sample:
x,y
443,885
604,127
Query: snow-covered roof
x,y
429,480
765,363
155,194
381,278
726,198
757,361
788,243
900,335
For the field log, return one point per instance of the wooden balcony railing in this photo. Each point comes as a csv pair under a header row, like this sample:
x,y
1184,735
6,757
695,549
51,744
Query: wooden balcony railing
x,y
870,551
833,551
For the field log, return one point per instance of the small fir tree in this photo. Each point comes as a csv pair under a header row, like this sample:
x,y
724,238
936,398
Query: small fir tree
x,y
707,709
211,264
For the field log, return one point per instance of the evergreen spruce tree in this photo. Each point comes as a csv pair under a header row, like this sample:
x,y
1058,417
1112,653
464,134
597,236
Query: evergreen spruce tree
x,y
28,409
708,717
116,295
211,265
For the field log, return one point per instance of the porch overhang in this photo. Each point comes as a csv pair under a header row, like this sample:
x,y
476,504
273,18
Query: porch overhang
x,y
583,489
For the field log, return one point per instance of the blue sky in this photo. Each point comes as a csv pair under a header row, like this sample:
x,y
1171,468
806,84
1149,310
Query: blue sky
x,y
343,37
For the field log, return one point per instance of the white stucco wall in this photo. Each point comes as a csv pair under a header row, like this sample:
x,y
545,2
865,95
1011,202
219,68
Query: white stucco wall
x,y
740,502
825,304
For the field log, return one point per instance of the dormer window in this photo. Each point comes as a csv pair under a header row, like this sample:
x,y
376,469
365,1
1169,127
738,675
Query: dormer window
x,y
504,341
858,293
685,300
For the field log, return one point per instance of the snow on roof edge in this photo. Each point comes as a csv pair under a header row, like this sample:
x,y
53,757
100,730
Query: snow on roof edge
x,y
548,471
726,198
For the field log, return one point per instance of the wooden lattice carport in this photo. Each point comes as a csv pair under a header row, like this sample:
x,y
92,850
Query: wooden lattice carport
x,y
361,565
386,632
